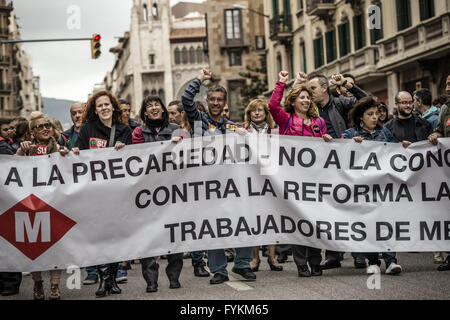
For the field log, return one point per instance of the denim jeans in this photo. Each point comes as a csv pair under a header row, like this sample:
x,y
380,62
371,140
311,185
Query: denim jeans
x,y
217,260
389,257
197,259
91,270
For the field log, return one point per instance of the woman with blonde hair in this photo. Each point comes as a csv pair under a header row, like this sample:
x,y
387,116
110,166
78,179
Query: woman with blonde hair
x,y
257,118
43,143
300,117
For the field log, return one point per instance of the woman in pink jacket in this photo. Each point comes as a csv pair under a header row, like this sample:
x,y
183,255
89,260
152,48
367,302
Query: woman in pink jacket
x,y
299,117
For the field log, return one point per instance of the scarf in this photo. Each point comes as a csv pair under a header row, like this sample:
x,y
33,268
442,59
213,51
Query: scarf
x,y
260,128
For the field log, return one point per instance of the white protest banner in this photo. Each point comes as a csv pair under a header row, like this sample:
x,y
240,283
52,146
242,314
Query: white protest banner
x,y
222,192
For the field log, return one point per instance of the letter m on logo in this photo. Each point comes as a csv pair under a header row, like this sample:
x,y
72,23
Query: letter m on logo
x,y
41,222
33,226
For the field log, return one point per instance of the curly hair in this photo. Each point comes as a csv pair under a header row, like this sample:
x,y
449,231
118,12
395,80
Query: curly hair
x,y
89,114
357,112
252,106
292,95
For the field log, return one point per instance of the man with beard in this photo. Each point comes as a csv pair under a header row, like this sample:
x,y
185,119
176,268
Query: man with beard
x,y
408,128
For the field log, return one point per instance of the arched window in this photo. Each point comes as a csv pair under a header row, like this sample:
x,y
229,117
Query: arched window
x,y
279,63
146,93
153,92
155,11
177,56
199,55
184,55
145,13
191,55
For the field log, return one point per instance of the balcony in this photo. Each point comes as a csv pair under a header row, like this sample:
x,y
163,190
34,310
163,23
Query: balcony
x,y
430,37
5,87
362,64
5,60
281,28
321,8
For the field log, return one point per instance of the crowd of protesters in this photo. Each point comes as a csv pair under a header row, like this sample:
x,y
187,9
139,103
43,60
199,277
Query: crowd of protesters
x,y
308,108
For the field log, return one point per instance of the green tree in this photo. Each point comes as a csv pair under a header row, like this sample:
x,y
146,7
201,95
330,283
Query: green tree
x,y
255,83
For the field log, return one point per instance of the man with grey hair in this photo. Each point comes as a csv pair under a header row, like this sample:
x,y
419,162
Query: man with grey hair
x,y
334,111
68,137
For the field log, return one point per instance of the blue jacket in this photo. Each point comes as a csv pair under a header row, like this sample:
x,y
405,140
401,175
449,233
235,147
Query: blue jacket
x,y
432,116
209,127
380,134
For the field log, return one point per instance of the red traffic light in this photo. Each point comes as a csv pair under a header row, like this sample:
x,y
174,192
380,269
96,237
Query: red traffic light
x,y
97,37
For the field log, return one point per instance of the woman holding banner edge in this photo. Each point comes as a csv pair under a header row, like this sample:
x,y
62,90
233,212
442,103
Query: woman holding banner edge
x,y
299,118
102,128
156,127
364,117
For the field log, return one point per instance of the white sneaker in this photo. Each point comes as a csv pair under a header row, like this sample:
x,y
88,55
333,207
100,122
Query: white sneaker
x,y
373,269
394,269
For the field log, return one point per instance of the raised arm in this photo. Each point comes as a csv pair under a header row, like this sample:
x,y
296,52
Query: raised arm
x,y
280,116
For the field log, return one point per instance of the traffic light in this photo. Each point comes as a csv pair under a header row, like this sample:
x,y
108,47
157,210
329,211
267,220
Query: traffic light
x,y
95,46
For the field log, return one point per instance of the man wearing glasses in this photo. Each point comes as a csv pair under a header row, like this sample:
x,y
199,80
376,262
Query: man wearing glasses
x,y
207,124
408,128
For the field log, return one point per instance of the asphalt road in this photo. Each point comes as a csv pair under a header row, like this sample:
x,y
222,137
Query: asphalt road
x,y
419,280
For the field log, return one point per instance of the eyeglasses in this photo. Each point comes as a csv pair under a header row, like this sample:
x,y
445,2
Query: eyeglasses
x,y
213,99
5,129
404,102
41,127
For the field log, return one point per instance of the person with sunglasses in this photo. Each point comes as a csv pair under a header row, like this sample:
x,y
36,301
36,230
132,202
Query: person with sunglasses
x,y
43,143
299,117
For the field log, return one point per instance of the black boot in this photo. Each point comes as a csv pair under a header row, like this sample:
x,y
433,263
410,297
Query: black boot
x,y
150,272
114,267
104,274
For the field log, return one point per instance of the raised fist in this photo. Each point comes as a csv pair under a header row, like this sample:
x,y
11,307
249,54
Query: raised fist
x,y
283,76
301,78
205,75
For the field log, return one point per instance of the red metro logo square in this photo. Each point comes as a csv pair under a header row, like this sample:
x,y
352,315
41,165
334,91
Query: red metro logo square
x,y
33,226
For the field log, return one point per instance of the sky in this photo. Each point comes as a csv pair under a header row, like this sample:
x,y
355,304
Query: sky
x,y
66,69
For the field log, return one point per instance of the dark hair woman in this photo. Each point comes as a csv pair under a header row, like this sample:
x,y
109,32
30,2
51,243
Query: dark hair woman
x,y
384,113
157,128
364,117
102,128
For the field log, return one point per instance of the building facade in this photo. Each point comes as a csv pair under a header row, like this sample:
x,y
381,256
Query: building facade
x,y
19,88
388,45
160,54
235,40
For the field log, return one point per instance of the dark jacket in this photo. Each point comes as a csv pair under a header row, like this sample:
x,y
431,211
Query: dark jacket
x,y
422,128
133,124
443,127
209,127
144,134
67,138
380,134
6,147
338,108
91,131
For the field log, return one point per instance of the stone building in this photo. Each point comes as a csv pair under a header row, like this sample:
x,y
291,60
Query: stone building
x,y
235,40
389,45
160,54
19,88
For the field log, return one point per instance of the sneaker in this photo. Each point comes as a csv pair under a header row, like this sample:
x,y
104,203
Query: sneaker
x,y
121,276
394,268
92,278
373,269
